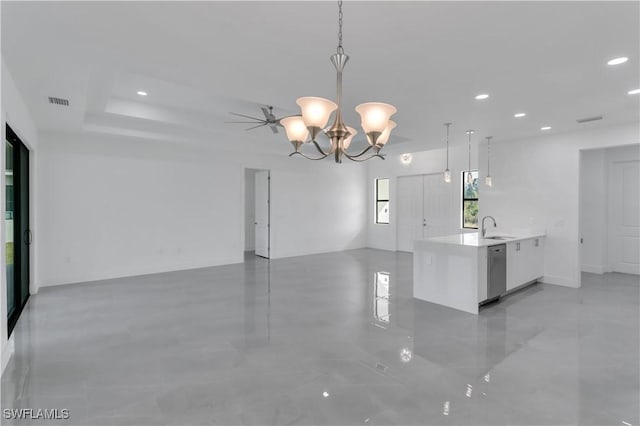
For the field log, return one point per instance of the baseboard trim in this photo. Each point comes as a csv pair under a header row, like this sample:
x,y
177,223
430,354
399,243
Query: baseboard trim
x,y
140,272
562,281
594,269
7,353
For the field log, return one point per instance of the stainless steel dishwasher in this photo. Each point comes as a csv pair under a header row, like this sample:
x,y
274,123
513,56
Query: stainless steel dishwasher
x,y
496,271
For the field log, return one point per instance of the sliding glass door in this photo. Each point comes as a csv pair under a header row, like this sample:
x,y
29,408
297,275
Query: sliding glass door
x,y
17,232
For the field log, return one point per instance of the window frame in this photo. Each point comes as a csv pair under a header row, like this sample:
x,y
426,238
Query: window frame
x,y
379,200
464,198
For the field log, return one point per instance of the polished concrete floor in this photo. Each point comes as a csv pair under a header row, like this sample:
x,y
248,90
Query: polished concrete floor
x,y
313,340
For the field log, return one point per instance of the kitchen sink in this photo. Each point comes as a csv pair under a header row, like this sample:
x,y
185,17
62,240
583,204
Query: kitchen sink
x,y
499,237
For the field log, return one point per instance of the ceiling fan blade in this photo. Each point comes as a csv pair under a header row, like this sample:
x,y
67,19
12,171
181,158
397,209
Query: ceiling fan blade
x,y
268,114
246,116
274,129
241,122
255,127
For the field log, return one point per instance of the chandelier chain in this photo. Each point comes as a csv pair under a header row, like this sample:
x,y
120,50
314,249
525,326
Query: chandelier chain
x,y
340,16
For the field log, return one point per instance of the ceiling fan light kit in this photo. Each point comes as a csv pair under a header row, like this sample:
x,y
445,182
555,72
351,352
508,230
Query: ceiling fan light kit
x,y
315,114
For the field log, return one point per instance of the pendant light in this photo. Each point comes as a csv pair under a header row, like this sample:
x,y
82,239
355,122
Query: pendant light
x,y
470,132
447,172
488,181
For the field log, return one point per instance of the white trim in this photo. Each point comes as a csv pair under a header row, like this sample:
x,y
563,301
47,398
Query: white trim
x,y
594,269
563,281
7,353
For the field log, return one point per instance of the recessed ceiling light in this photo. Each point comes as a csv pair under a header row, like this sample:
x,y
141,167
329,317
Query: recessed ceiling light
x,y
545,128
519,115
142,93
482,96
633,92
618,61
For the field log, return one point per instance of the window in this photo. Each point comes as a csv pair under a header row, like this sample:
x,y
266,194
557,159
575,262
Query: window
x,y
470,199
382,201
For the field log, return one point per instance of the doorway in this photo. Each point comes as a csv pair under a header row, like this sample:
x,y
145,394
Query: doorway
x,y
427,207
17,230
257,213
610,210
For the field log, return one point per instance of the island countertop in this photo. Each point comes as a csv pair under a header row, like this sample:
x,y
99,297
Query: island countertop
x,y
473,239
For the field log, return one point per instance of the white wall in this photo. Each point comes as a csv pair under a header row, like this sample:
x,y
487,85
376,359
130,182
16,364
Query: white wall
x,y
536,186
115,207
385,236
593,208
14,112
249,210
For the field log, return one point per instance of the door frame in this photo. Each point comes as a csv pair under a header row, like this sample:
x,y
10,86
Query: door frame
x,y
11,136
269,192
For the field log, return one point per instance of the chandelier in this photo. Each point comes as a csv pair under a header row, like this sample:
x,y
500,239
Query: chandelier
x,y
315,114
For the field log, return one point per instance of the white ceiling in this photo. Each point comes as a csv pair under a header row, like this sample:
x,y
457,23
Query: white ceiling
x,y
200,60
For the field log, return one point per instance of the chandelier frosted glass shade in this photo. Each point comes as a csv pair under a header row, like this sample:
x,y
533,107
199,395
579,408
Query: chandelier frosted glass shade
x,y
347,141
375,116
383,137
295,128
386,133
316,111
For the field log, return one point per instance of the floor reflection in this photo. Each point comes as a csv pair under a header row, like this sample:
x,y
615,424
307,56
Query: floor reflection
x,y
327,339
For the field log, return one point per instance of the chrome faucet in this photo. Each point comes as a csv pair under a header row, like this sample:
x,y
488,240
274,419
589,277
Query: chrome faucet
x,y
484,231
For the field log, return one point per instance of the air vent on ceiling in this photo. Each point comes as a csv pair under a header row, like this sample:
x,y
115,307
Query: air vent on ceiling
x,y
58,101
588,119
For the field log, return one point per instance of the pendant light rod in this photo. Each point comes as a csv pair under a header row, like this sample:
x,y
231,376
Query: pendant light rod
x,y
470,132
489,155
448,125
488,180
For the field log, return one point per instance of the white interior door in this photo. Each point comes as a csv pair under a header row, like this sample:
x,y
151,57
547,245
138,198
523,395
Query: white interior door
x,y
262,216
624,217
409,211
439,207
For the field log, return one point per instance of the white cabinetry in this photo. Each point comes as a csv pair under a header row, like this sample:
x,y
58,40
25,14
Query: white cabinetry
x,y
525,262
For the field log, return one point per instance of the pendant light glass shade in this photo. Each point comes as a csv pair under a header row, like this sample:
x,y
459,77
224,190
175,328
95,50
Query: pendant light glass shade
x,y
295,128
375,116
316,111
447,176
488,181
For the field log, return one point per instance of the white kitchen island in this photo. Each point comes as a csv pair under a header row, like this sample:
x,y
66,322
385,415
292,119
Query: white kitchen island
x,y
452,270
